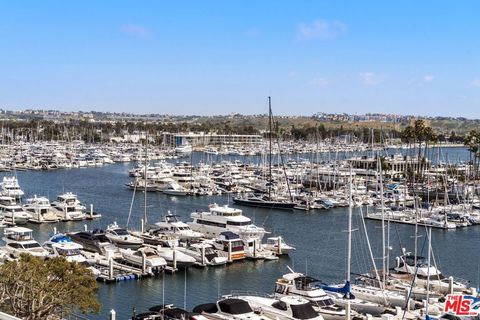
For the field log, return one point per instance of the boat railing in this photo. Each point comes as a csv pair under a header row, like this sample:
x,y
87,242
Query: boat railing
x,y
238,293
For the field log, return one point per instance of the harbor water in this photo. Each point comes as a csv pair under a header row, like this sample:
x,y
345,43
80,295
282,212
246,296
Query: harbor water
x,y
319,237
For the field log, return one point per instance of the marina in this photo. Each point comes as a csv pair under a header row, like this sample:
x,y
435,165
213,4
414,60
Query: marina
x,y
316,235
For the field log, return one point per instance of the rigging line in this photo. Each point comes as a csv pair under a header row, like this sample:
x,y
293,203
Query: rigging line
x,y
131,204
413,281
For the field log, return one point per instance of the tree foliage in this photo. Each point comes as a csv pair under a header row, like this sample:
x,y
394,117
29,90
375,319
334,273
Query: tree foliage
x,y
32,288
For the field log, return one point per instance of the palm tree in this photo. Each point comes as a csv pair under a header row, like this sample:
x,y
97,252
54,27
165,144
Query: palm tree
x,y
472,141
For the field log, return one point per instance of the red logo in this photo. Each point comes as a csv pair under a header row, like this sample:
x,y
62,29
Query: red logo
x,y
462,305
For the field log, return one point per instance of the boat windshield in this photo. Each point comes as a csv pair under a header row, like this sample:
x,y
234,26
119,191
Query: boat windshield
x,y
235,223
121,232
68,252
303,311
31,245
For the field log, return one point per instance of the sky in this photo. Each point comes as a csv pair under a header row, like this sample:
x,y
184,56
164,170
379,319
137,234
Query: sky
x,y
220,57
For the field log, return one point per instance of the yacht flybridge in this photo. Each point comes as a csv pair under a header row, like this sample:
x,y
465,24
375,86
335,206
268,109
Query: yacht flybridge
x,y
224,218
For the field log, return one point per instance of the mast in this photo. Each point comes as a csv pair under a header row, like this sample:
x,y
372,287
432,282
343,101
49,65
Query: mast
x,y
270,146
429,233
145,191
384,271
349,245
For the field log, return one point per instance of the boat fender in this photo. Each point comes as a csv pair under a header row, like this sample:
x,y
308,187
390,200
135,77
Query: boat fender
x,y
397,260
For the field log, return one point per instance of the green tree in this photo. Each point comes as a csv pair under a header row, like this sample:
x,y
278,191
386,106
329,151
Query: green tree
x,y
33,288
472,141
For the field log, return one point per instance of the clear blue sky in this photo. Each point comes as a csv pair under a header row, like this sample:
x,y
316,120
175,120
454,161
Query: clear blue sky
x,y
217,57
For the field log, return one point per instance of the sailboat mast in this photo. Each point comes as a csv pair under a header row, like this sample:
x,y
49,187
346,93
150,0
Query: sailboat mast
x,y
270,145
145,190
382,204
349,245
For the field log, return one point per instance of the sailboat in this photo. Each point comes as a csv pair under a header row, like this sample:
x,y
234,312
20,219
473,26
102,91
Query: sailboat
x,y
268,200
342,294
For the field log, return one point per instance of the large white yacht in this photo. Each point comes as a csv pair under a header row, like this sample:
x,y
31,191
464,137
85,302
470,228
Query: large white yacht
x,y
20,240
40,210
67,207
10,187
172,225
224,218
12,212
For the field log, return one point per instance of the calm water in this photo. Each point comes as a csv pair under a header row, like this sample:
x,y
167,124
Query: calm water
x,y
318,236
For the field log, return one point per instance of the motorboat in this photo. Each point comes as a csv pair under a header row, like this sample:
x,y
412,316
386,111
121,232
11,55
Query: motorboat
x,y
155,236
20,240
264,202
287,307
93,241
224,218
11,188
146,255
278,245
173,188
121,238
204,254
12,212
67,207
175,258
228,308
61,245
40,210
299,285
171,224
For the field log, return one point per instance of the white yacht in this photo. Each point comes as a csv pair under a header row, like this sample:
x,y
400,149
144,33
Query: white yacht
x,y
288,307
121,238
10,187
175,258
12,212
20,240
171,224
137,257
224,218
40,210
278,245
61,245
297,284
204,254
67,207
174,189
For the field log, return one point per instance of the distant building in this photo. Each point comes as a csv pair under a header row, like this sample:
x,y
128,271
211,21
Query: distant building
x,y
212,139
397,164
